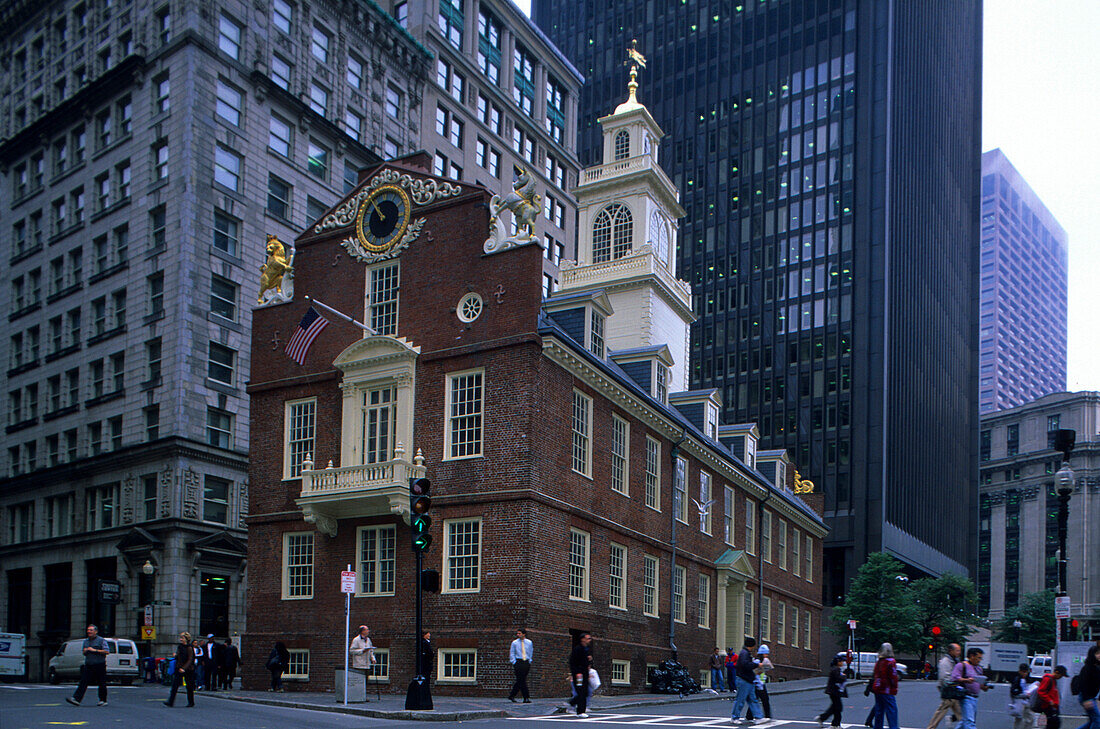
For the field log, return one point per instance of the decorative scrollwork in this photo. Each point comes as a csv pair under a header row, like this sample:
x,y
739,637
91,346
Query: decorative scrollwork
x,y
423,192
356,250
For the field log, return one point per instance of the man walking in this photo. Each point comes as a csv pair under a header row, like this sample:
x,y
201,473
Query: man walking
x,y
717,668
94,670
970,676
580,661
232,661
519,655
210,664
362,656
746,690
947,705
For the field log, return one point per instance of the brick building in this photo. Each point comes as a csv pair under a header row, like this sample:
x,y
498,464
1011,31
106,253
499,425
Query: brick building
x,y
573,488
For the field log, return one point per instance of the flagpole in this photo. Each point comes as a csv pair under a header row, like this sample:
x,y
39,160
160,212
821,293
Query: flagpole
x,y
340,314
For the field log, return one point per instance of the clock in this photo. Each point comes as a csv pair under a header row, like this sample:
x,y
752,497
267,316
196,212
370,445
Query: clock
x,y
383,218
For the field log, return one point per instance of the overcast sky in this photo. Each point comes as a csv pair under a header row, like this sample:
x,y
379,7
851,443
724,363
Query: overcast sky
x,y
1041,106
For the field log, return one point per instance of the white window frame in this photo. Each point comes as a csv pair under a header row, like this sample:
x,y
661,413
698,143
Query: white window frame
x,y
796,551
379,311
380,671
807,621
795,625
616,576
581,428
476,441
766,535
679,490
703,619
449,558
651,589
286,587
288,446
808,555
376,531
749,611
620,455
781,543
750,526
580,569
679,580
620,672
781,623
298,658
441,665
653,473
765,620
706,493
727,514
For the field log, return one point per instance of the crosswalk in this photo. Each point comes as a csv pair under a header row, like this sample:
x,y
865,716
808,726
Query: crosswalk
x,y
678,722
43,686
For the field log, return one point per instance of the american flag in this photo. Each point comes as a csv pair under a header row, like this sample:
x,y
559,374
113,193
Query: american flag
x,y
308,329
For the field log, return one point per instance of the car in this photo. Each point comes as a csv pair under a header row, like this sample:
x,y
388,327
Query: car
x,y
1041,665
122,661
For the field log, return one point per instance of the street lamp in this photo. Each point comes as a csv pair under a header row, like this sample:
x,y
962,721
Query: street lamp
x,y
1064,441
1017,625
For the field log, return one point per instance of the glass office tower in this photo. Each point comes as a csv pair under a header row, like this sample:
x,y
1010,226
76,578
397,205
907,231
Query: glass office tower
x,y
827,154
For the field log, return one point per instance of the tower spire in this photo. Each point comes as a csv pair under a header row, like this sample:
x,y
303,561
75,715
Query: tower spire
x,y
634,60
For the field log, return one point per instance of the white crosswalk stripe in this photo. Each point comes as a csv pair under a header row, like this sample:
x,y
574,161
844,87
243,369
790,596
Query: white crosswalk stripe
x,y
70,687
672,720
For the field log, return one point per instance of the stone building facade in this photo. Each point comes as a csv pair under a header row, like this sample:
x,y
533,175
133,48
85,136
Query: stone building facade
x,y
1018,534
574,489
147,148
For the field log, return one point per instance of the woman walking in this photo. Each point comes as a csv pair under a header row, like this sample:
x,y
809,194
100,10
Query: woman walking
x,y
185,671
884,685
836,690
277,663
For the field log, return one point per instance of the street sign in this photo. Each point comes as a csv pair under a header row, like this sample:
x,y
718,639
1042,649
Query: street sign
x,y
1061,607
148,615
347,582
148,632
110,592
852,624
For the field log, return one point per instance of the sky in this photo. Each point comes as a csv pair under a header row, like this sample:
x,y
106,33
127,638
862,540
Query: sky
x,y
1041,107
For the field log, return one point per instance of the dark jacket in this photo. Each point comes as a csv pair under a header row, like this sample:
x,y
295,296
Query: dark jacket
x,y
1018,686
745,666
219,654
835,685
427,656
580,660
1089,681
281,657
185,658
232,657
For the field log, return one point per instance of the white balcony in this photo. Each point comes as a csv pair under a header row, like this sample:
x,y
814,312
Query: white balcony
x,y
620,168
351,492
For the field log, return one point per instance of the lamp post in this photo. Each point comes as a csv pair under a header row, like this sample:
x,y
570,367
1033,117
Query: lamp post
x,y
1064,441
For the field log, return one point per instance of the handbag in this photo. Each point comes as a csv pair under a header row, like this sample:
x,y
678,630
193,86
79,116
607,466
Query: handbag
x,y
594,682
952,692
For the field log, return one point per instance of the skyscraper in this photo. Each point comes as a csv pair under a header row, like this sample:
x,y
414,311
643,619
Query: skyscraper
x,y
1023,291
827,156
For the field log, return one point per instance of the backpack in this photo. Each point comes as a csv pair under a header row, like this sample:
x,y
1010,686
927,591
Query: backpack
x,y
1034,701
1075,685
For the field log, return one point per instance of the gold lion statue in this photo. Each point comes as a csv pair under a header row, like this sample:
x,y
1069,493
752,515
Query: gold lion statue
x,y
273,270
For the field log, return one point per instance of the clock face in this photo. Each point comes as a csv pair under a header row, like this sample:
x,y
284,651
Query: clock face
x,y
383,218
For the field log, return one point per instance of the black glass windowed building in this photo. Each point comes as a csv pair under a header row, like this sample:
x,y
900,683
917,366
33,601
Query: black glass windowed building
x,y
827,153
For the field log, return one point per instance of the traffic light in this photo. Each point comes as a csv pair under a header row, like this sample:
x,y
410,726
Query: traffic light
x,y
420,501
1073,629
931,647
936,630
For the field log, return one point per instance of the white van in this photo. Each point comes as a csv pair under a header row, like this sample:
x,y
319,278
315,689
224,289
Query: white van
x,y
122,661
863,665
1041,665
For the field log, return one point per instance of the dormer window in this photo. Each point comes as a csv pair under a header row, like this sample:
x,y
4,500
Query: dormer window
x,y
595,334
750,451
712,421
622,145
612,233
660,391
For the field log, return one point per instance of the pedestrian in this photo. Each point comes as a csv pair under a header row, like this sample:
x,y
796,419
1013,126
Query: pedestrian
x,y
94,670
1018,696
717,668
969,674
949,704
580,661
185,671
1049,702
731,668
746,691
760,683
520,654
210,663
199,648
232,662
1088,689
836,689
277,663
362,656
884,685
427,653
219,665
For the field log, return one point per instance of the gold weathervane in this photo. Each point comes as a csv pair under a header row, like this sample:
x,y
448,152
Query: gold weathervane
x,y
802,485
634,60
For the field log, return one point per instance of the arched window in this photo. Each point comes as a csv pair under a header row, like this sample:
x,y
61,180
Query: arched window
x,y
622,145
658,229
612,233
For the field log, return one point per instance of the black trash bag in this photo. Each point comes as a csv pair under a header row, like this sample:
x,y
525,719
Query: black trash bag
x,y
670,677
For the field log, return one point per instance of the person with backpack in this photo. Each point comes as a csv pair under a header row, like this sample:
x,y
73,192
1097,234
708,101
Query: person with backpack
x,y
1046,699
1088,688
884,685
1020,707
970,675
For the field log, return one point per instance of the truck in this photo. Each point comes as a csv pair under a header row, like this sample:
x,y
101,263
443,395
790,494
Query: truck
x,y
13,654
999,660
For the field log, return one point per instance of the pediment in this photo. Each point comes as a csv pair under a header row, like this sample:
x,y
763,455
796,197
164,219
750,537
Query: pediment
x,y
372,351
138,540
736,563
221,543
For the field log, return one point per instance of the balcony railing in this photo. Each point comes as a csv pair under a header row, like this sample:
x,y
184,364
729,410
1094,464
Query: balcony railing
x,y
354,479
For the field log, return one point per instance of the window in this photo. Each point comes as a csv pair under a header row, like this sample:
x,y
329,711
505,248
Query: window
x,y
620,672
781,545
101,504
21,522
679,577
596,329
351,176
227,168
489,114
164,25
620,455
318,99
59,515
1053,425
381,670
223,298
679,491
300,418
653,473
766,534
451,21
280,72
278,197
650,574
219,428
1013,439
458,665
449,80
704,601
298,664
354,73
612,233
226,233
808,570
158,222
103,131
123,176
278,136
523,144
582,433
465,403
229,38
155,286
228,103
727,515
661,375
806,617
385,282
393,102
523,80
706,499
297,565
616,596
555,112
488,45
319,44
161,90
765,619
282,14
152,422
353,126
750,526
578,564
985,445
377,560
215,499
379,418
781,623
796,552
462,555
622,145
318,160
220,361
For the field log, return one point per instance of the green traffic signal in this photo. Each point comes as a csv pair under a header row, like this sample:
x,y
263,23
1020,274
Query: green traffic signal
x,y
419,503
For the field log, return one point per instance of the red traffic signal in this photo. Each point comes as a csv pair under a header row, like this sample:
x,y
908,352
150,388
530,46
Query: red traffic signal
x,y
936,630
1073,623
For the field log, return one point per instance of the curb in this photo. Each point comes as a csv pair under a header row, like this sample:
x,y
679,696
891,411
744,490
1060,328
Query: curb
x,y
400,715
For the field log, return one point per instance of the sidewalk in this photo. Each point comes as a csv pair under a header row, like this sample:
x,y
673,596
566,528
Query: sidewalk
x,y
459,708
